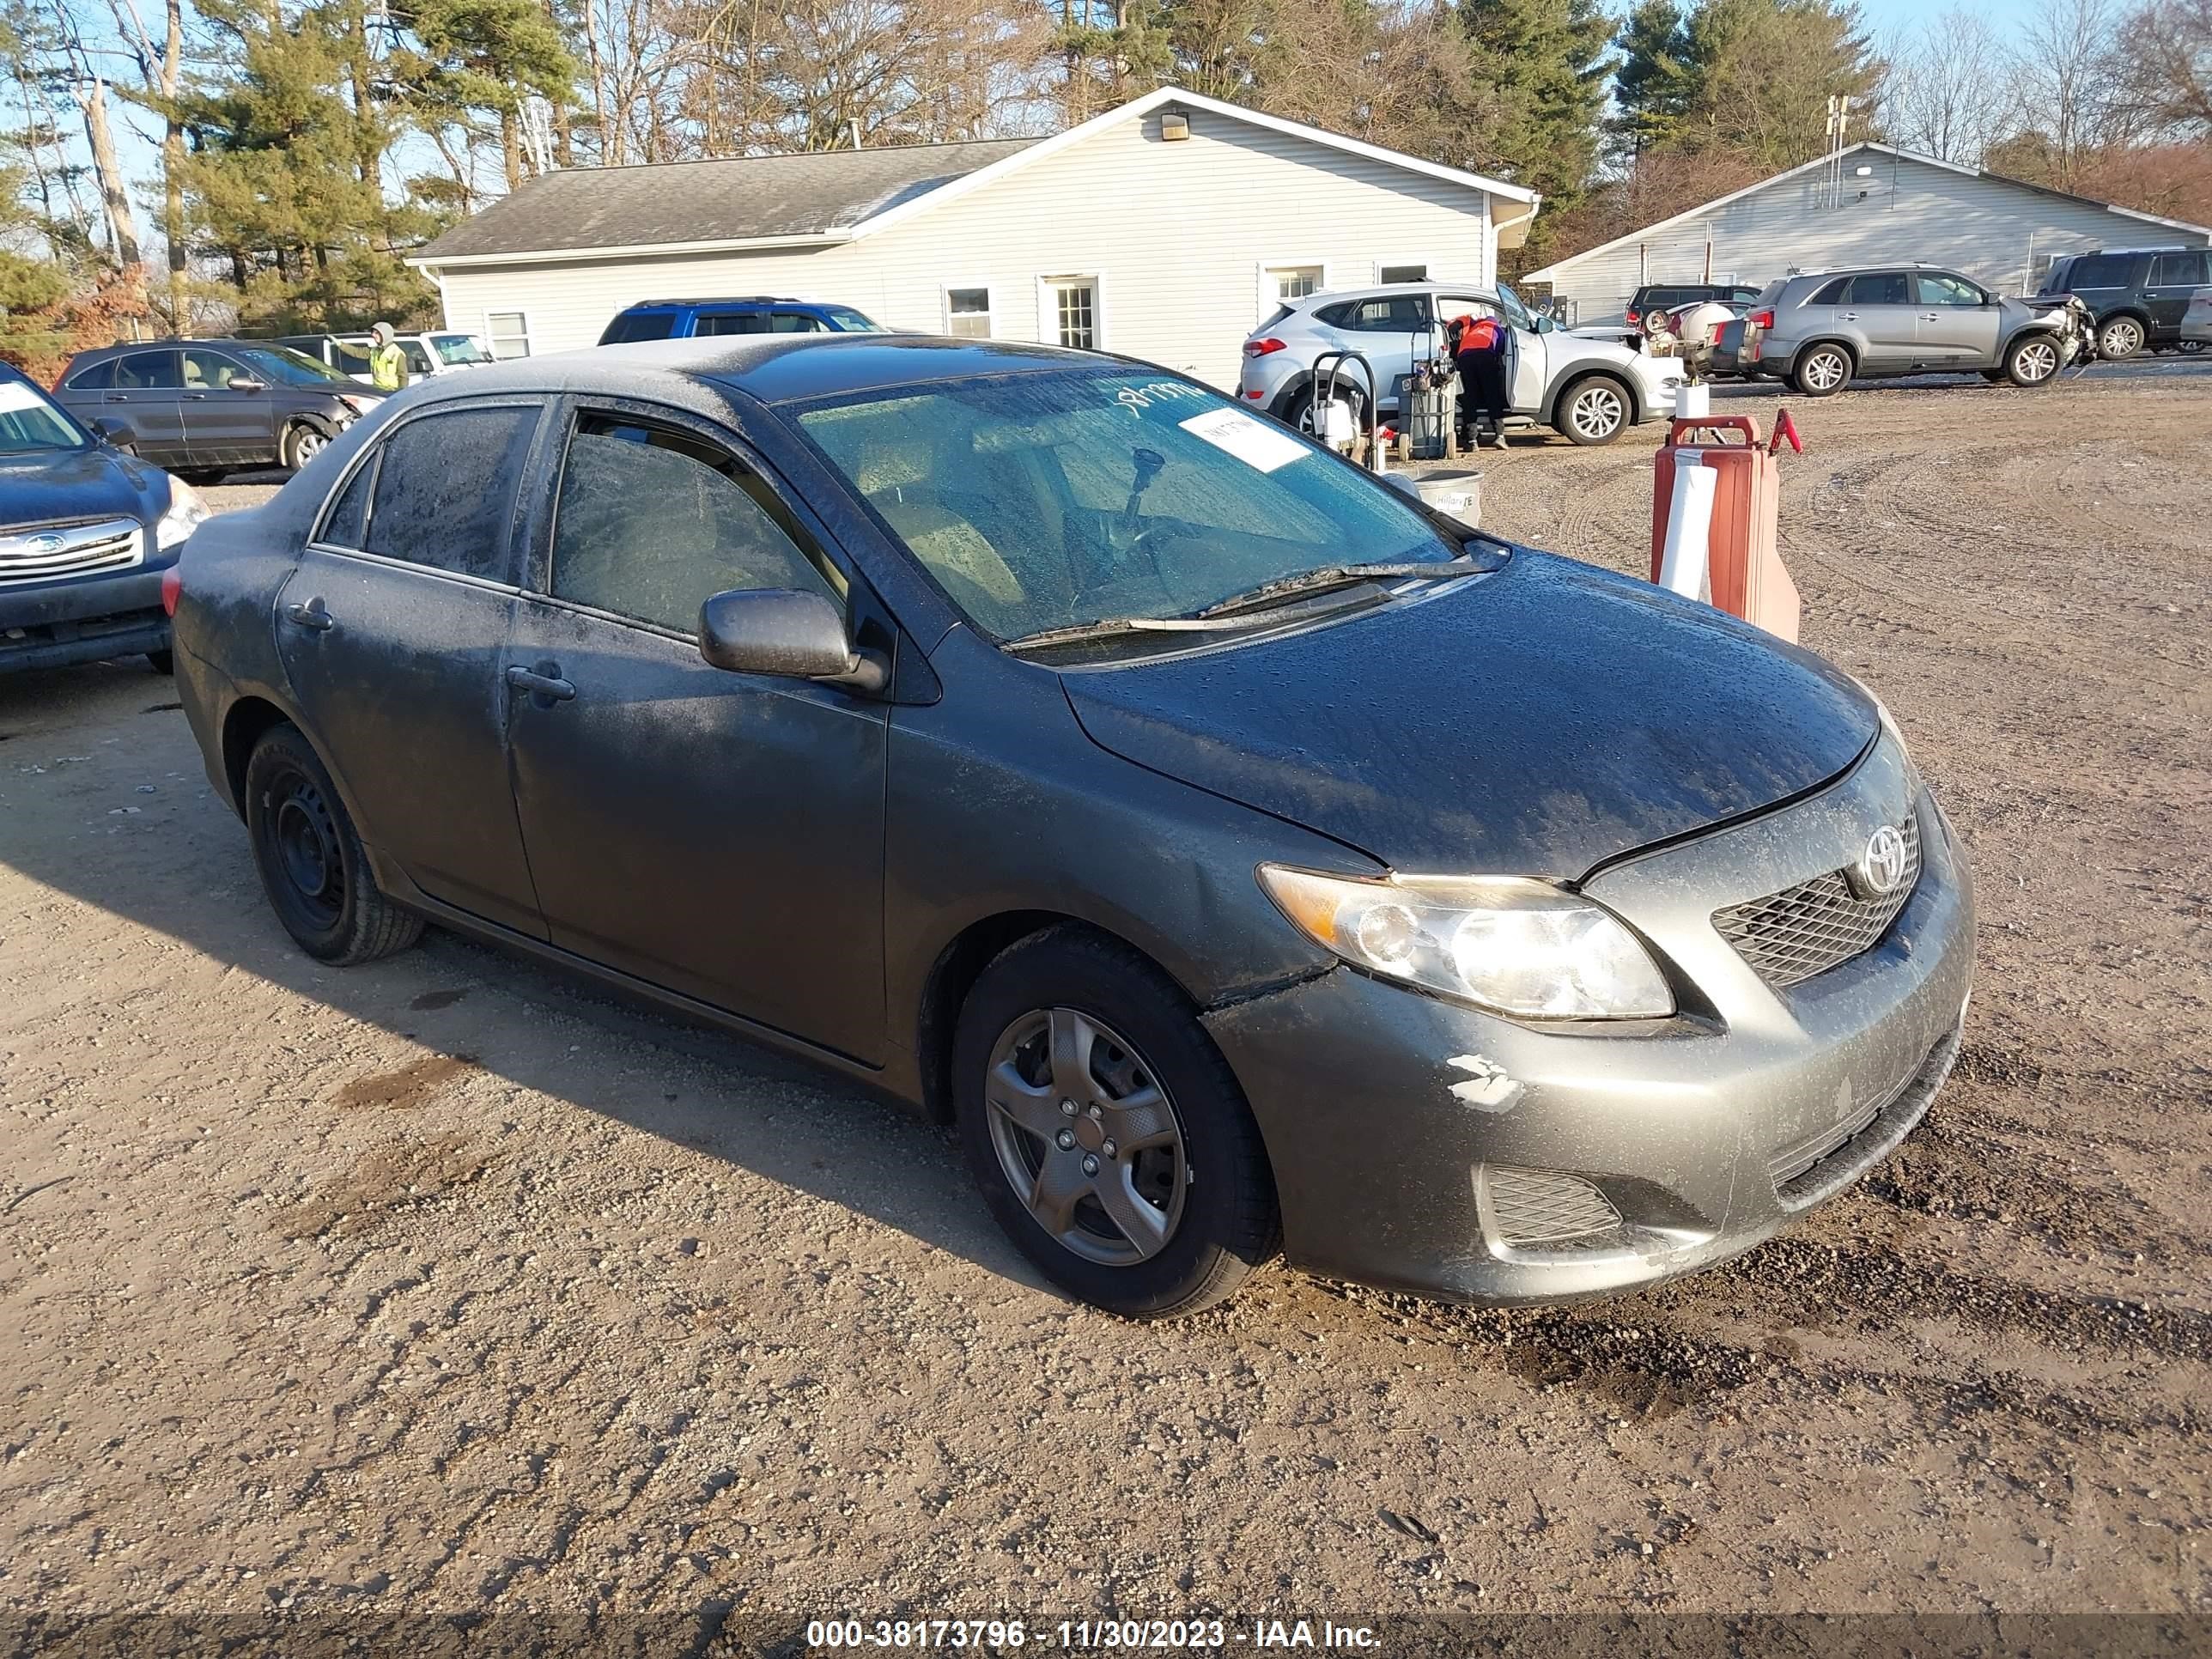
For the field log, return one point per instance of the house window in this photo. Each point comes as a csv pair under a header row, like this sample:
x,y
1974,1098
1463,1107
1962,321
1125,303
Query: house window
x,y
510,333
1075,310
968,313
1401,273
1295,282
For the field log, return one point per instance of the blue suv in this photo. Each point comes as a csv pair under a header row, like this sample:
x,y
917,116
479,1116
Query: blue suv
x,y
758,313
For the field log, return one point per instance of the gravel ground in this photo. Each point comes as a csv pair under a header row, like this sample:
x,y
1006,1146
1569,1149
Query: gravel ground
x,y
440,1285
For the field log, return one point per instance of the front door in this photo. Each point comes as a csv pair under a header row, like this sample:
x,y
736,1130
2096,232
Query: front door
x,y
393,629
2174,278
1958,324
225,421
718,835
147,394
1522,345
1878,314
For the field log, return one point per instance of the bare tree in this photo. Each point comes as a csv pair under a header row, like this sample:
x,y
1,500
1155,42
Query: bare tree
x,y
2168,45
2070,72
1949,92
160,69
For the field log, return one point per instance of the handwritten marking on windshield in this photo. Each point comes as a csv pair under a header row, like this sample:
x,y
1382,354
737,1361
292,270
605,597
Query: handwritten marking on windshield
x,y
1134,397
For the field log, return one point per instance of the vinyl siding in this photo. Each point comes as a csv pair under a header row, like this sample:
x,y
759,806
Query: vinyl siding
x,y
1177,235
2001,233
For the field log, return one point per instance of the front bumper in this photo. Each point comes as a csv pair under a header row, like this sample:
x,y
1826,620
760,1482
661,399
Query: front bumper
x,y
1412,1138
83,619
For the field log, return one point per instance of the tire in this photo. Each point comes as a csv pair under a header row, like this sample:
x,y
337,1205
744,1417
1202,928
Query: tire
x,y
301,443
1594,409
1823,371
1126,1035
312,864
2033,361
161,662
1297,411
2120,337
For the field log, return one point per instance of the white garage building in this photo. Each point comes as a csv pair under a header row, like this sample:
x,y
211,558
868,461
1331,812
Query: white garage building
x,y
1165,229
1879,206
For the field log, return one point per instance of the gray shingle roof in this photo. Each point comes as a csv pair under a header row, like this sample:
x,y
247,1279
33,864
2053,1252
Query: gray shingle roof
x,y
723,201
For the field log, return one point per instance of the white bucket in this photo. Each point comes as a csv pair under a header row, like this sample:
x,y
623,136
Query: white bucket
x,y
1693,403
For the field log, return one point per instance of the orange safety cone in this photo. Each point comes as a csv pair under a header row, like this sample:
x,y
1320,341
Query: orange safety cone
x,y
1714,514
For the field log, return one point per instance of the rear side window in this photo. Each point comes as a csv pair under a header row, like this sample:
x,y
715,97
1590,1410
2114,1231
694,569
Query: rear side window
x,y
1878,287
1830,294
633,325
652,521
92,380
2101,270
346,524
445,489
152,371
2177,271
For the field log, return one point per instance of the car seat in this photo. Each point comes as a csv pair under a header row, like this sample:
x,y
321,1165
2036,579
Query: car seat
x,y
894,475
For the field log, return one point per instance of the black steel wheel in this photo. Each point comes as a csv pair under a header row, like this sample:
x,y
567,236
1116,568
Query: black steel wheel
x,y
1091,1102
311,861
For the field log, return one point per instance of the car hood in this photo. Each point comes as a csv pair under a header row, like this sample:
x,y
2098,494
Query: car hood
x,y
1537,722
97,483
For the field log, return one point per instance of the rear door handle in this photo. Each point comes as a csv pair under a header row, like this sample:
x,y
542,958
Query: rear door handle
x,y
1847,316
311,615
548,686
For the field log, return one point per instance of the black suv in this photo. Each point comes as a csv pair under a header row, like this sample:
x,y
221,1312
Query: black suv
x,y
87,535
1665,296
214,404
2138,294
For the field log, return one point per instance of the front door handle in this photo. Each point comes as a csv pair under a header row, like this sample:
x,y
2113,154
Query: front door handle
x,y
311,615
1847,316
195,397
544,682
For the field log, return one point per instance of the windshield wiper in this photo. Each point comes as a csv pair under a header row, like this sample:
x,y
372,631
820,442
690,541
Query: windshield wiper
x,y
1113,625
1337,575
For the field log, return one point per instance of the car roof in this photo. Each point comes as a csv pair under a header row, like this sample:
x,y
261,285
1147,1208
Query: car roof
x,y
769,367
732,300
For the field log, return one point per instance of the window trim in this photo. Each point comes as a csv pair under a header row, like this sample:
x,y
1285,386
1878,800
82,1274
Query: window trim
x,y
1048,302
1264,286
946,289
538,561
372,455
493,336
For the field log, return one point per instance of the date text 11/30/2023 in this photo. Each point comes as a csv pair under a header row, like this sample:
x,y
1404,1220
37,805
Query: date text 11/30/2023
x,y
1086,1635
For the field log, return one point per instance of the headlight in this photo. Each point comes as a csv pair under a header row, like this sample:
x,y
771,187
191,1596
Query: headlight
x,y
359,404
1515,946
187,512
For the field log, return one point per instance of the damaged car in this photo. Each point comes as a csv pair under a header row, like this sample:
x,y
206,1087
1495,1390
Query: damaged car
x,y
1246,859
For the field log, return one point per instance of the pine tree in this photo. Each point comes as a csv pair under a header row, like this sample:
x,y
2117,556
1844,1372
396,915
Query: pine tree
x,y
1761,72
1652,86
1543,64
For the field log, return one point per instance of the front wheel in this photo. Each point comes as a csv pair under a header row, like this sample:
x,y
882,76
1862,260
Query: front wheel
x,y
1592,411
302,443
311,861
1824,371
1108,1134
2033,361
2120,337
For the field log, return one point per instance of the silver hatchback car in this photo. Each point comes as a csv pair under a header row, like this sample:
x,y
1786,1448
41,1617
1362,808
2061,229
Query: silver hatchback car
x,y
1822,330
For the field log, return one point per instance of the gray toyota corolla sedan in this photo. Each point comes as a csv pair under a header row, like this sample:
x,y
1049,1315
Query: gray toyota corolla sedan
x,y
1242,857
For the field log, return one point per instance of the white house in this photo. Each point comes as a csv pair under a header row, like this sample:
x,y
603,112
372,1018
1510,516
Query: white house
x,y
1165,229
1879,206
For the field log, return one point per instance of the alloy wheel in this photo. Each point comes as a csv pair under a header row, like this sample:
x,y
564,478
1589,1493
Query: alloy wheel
x,y
307,445
2037,361
2122,337
1087,1136
1824,371
1598,412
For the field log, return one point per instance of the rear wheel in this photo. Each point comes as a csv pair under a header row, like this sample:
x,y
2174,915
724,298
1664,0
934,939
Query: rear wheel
x,y
2120,337
161,662
1108,1134
1594,411
2033,360
1302,410
311,861
1823,371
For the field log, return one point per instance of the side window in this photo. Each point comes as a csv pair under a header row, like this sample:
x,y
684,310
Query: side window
x,y
1398,314
445,489
2177,271
644,326
348,359
1878,288
346,524
418,360
2100,271
730,322
793,322
652,521
97,377
150,371
1741,297
210,371
1947,290
1830,294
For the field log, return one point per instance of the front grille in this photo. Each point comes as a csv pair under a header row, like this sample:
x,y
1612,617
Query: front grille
x,y
1543,1206
1789,935
46,551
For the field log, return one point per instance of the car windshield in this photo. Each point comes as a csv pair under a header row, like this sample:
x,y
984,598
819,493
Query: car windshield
x,y
454,348
850,321
1046,500
283,367
29,423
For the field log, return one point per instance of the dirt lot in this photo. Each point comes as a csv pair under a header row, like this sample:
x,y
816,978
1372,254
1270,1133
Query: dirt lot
x,y
440,1285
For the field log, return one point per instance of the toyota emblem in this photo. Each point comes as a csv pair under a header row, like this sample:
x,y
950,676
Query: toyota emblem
x,y
1883,865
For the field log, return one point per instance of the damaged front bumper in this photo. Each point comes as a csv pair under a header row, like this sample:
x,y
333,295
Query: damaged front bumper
x,y
1423,1145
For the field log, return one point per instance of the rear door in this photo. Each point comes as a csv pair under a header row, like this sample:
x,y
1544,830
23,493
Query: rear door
x,y
148,394
1958,325
1387,330
718,834
393,630
1878,315
2174,278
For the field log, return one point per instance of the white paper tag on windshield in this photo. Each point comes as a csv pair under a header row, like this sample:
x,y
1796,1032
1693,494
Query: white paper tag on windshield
x,y
1253,443
14,395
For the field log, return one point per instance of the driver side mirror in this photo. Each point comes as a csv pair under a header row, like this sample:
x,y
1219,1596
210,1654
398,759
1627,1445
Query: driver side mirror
x,y
1547,323
243,383
787,633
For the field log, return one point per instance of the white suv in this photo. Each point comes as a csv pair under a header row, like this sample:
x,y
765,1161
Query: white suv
x,y
1590,389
